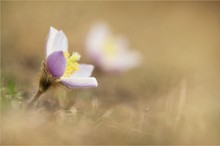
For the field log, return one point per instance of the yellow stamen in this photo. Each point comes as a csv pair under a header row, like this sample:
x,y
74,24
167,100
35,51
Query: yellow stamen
x,y
71,63
110,48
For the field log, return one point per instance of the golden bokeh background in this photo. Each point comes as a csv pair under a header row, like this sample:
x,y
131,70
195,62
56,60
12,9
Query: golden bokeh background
x,y
178,79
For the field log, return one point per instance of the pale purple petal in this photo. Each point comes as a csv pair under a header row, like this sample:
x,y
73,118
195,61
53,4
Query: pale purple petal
x,y
57,41
56,63
85,82
85,70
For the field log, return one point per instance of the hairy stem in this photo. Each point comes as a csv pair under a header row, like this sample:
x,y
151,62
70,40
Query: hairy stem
x,y
34,99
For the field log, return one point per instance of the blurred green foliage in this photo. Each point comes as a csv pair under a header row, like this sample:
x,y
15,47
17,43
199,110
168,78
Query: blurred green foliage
x,y
10,97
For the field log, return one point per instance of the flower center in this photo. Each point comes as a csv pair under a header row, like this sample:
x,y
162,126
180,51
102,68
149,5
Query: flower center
x,y
110,48
71,63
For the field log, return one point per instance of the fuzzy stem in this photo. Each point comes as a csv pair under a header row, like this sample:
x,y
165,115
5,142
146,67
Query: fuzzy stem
x,y
34,99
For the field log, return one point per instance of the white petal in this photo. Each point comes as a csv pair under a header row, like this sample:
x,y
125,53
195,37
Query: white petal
x,y
128,60
50,38
85,82
57,41
97,35
122,44
85,70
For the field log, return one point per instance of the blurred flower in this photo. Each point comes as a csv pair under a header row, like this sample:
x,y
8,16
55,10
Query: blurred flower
x,y
108,52
62,68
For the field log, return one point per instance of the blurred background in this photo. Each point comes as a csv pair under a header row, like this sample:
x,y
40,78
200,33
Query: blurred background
x,y
172,97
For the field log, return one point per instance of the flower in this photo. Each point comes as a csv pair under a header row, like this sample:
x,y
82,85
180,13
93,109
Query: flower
x,y
60,67
108,52
63,66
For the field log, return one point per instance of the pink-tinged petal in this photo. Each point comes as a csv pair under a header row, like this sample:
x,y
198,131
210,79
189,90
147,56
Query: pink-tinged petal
x,y
86,82
85,70
56,63
57,41
129,60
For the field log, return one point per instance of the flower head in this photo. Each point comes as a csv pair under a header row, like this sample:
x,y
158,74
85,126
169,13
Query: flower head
x,y
63,68
108,52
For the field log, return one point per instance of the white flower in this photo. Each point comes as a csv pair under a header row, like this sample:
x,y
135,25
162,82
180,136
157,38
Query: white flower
x,y
64,66
108,52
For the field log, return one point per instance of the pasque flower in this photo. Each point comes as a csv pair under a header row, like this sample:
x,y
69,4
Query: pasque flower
x,y
110,53
62,68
